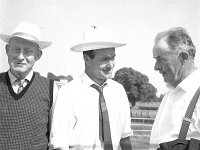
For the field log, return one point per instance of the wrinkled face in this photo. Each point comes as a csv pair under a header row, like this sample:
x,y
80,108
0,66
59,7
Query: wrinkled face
x,y
22,55
101,66
168,64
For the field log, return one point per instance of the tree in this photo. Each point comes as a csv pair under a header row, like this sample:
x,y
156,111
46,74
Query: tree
x,y
136,85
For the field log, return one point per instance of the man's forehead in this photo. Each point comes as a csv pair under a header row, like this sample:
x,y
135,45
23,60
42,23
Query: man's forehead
x,y
160,48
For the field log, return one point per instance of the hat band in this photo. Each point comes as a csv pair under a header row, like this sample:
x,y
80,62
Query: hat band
x,y
25,34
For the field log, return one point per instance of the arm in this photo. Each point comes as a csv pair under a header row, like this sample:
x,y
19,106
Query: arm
x,y
61,121
127,133
125,143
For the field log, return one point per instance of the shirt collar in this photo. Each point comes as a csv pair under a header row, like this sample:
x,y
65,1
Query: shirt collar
x,y
190,82
87,81
13,77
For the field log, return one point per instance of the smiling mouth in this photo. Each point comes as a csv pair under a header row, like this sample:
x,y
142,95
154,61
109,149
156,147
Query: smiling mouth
x,y
20,64
164,73
107,70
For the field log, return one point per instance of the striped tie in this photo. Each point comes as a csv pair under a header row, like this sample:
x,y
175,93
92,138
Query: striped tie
x,y
104,125
20,83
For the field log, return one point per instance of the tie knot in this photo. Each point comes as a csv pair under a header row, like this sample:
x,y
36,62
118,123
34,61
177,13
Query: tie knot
x,y
98,88
20,82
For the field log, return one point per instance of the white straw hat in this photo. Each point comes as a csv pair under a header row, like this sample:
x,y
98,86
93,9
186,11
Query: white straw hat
x,y
27,31
96,38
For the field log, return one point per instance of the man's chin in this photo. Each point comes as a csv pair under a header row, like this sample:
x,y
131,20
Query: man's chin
x,y
108,76
169,85
19,70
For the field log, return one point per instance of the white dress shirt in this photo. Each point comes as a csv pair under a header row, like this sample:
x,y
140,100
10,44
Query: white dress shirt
x,y
76,115
172,109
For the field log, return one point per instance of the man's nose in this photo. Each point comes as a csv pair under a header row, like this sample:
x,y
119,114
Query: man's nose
x,y
111,63
21,55
157,66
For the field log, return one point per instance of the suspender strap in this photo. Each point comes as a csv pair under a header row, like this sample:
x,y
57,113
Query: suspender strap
x,y
188,115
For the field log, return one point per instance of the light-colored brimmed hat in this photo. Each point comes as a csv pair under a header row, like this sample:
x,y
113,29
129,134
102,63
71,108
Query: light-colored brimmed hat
x,y
27,31
96,38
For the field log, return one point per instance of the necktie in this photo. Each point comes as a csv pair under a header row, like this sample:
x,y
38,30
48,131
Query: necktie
x,y
20,83
104,125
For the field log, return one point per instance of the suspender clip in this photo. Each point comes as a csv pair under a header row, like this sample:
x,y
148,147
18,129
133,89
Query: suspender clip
x,y
187,119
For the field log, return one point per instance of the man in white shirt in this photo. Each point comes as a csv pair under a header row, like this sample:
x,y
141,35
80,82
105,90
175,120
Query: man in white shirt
x,y
75,119
174,53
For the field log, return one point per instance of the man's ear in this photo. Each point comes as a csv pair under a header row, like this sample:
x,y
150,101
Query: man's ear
x,y
7,48
38,55
183,57
86,58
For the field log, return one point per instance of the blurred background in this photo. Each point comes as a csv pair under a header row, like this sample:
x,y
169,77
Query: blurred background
x,y
135,22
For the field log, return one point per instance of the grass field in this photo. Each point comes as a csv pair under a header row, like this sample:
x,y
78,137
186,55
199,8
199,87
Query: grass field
x,y
140,142
143,116
141,137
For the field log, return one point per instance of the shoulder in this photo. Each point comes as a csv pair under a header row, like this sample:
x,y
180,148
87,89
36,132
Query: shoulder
x,y
116,87
38,75
2,76
75,84
118,92
115,84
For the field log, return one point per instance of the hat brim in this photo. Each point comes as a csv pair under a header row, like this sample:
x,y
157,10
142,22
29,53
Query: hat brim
x,y
95,45
41,44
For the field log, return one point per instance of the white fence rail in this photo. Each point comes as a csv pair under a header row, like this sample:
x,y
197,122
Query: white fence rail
x,y
141,126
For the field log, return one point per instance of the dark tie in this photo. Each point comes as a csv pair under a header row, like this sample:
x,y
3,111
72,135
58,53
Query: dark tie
x,y
104,125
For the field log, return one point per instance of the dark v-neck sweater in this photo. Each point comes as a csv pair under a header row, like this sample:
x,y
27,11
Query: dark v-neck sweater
x,y
24,116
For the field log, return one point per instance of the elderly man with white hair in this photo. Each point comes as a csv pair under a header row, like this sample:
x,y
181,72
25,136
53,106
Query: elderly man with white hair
x,y
178,116
25,96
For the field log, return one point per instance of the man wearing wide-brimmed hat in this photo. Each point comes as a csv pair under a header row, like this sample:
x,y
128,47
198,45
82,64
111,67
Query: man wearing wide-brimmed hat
x,y
92,112
25,96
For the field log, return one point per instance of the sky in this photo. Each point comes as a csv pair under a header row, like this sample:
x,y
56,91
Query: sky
x,y
135,22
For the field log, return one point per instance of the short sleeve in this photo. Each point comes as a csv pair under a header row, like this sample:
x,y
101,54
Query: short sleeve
x,y
61,120
126,132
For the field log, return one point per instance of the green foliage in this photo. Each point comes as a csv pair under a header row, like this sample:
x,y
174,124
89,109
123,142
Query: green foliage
x,y
136,85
